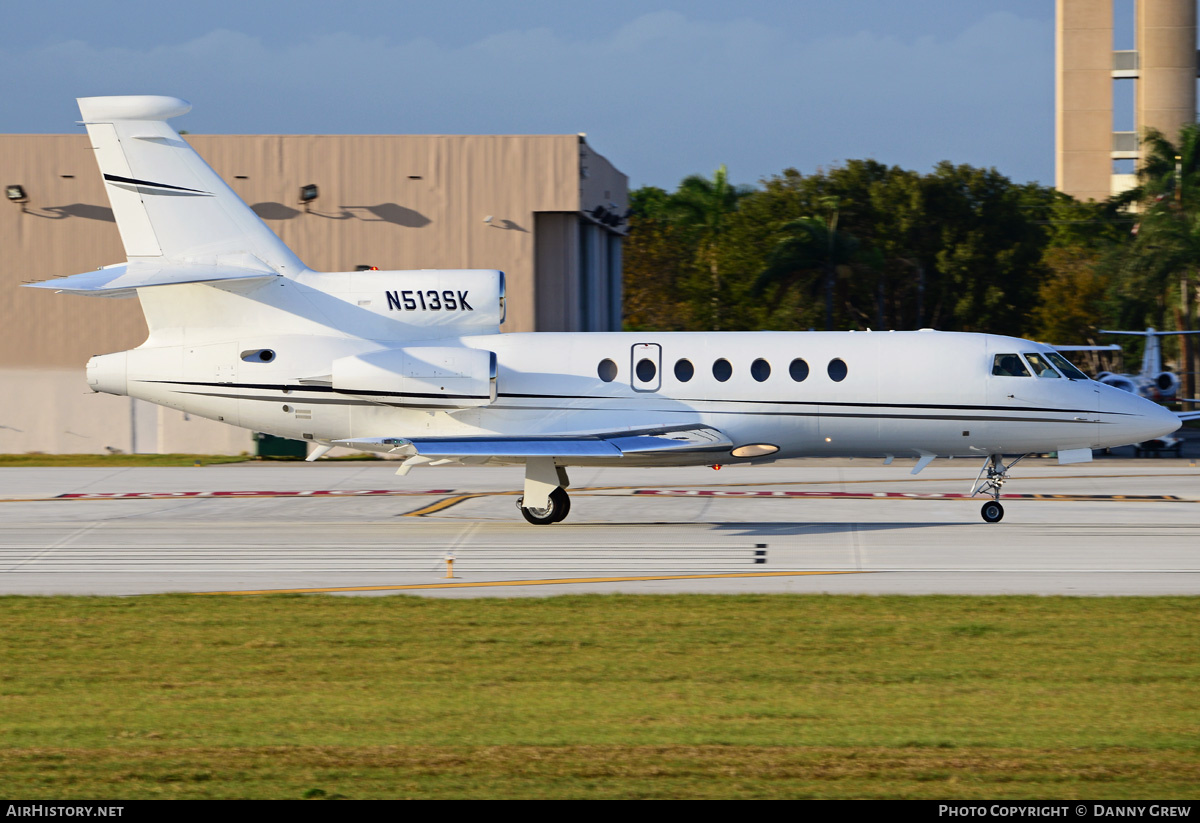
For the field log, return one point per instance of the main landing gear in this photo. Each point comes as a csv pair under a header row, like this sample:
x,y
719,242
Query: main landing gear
x,y
997,476
545,499
556,509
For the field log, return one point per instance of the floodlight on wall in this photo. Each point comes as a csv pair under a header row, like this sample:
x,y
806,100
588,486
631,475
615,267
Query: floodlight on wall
x,y
308,193
16,194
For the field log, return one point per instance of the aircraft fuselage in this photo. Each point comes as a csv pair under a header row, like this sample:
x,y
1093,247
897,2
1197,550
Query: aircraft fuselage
x,y
807,393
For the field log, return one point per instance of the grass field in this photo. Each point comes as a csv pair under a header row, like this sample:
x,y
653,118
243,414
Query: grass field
x,y
600,696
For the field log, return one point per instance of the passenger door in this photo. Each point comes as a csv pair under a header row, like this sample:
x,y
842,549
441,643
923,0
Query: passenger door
x,y
645,367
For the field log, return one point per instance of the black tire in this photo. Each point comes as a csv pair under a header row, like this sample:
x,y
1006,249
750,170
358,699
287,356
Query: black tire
x,y
556,509
562,504
992,511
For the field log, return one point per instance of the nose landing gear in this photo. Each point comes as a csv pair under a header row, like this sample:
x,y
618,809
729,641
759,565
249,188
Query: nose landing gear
x,y
997,476
993,512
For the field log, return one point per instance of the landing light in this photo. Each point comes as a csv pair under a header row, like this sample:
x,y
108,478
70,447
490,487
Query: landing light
x,y
755,450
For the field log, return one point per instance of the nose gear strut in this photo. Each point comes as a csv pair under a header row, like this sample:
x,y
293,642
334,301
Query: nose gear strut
x,y
997,476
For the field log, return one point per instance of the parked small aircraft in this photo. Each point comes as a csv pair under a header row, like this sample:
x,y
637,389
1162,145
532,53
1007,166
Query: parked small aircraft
x,y
1153,381
412,363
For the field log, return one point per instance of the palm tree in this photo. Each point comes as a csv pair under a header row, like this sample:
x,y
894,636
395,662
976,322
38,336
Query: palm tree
x,y
1160,161
808,246
703,207
1167,237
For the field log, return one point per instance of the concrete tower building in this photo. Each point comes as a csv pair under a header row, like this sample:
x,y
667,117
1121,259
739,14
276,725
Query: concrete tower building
x,y
1163,67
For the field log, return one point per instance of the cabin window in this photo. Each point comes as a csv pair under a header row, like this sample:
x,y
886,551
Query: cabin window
x,y
646,370
722,370
1066,366
837,370
684,370
798,370
1009,365
607,371
1040,365
760,370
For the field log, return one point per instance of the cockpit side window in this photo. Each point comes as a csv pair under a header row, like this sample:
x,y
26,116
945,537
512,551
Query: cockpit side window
x,y
1009,365
1040,365
1065,366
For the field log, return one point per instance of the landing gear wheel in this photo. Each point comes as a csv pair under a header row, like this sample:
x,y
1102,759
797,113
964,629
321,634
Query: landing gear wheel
x,y
556,509
992,511
562,504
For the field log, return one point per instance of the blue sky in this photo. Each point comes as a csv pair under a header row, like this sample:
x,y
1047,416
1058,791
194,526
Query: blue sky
x,y
664,89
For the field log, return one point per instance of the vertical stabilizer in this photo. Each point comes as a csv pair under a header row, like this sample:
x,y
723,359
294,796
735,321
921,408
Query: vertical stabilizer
x,y
170,206
1152,356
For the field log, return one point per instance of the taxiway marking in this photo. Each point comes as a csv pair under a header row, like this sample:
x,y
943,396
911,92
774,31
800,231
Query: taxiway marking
x,y
330,493
548,582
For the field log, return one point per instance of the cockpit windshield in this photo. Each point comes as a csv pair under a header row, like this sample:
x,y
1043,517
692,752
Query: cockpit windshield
x,y
1040,365
1009,365
1065,366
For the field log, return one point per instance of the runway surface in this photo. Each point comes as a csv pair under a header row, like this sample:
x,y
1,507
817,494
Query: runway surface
x,y
1113,527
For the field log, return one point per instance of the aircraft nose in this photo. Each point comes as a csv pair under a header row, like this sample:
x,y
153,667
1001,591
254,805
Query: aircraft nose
x,y
1138,419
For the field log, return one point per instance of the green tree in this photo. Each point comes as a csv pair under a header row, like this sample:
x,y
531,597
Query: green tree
x,y
1157,175
810,254
702,208
658,258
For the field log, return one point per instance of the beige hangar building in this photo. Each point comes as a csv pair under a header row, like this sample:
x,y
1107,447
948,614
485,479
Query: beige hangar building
x,y
546,209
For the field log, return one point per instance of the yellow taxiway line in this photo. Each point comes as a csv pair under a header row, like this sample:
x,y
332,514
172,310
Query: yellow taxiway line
x,y
549,582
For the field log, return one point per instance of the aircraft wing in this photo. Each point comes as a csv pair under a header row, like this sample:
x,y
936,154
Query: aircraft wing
x,y
617,444
1188,415
123,279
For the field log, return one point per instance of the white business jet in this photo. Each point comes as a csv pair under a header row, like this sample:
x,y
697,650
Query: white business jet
x,y
1153,381
413,364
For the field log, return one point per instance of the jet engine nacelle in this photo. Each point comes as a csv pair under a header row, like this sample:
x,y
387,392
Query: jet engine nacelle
x,y
419,304
109,373
1167,383
428,376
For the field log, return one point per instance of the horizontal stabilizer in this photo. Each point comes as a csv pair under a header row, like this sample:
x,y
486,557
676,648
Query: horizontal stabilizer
x,y
1188,415
613,444
121,280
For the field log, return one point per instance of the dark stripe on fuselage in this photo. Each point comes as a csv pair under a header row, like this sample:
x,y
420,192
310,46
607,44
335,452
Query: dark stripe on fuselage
x,y
321,401
287,398
280,387
504,395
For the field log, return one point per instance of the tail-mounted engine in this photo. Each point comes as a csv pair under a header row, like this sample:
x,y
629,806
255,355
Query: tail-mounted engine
x,y
1167,383
424,376
421,304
